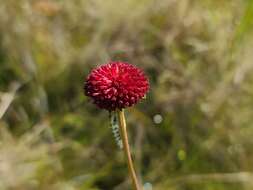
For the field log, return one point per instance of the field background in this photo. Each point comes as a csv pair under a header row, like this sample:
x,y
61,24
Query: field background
x,y
194,131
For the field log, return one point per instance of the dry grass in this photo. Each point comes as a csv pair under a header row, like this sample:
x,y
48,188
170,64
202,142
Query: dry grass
x,y
198,55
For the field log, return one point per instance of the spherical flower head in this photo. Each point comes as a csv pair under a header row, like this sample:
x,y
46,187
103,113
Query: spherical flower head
x,y
116,85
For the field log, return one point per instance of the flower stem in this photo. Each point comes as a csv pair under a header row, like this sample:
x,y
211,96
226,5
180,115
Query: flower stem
x,y
123,130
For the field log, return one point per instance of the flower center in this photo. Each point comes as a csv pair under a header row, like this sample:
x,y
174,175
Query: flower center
x,y
115,84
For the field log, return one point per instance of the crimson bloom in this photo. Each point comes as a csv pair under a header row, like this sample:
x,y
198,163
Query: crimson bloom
x,y
116,85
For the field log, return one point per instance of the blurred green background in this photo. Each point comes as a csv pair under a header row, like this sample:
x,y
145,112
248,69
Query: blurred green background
x,y
193,131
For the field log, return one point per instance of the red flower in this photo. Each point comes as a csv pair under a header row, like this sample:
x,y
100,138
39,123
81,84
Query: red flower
x,y
116,85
